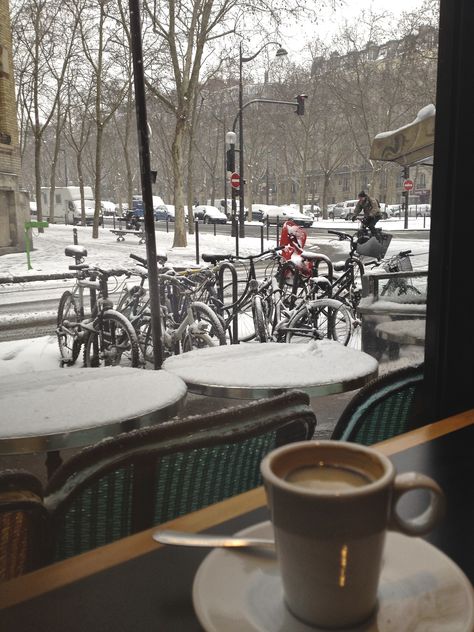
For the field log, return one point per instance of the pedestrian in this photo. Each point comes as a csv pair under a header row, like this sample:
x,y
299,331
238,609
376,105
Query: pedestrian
x,y
371,209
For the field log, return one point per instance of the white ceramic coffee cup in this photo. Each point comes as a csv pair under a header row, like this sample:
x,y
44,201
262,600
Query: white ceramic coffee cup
x,y
330,534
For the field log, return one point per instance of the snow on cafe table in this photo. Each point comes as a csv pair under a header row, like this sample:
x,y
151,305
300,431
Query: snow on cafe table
x,y
254,370
74,407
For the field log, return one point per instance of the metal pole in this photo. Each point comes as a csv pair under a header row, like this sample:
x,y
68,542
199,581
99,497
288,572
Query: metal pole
x,y
241,147
406,175
225,170
196,236
145,172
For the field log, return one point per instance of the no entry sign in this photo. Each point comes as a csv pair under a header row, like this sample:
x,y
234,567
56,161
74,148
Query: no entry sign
x,y
235,180
408,185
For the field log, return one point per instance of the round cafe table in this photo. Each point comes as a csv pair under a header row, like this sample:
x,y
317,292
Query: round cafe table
x,y
254,370
74,407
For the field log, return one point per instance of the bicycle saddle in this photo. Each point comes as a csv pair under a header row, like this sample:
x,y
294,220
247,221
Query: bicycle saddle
x,y
75,251
214,258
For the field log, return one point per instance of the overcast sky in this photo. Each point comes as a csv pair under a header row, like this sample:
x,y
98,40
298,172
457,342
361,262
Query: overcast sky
x,y
329,21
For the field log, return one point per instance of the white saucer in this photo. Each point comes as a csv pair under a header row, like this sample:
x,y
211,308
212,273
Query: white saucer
x,y
421,590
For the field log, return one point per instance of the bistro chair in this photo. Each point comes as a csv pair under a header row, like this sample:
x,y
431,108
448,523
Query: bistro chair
x,y
149,476
384,408
23,523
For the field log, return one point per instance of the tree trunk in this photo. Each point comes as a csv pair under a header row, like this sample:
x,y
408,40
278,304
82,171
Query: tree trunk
x,y
39,199
180,239
97,188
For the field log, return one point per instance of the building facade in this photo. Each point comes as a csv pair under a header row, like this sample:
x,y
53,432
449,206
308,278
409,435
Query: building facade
x,y
14,206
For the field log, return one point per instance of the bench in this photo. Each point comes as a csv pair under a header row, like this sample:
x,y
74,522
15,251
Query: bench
x,y
121,234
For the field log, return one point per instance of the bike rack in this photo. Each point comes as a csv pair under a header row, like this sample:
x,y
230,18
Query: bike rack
x,y
220,294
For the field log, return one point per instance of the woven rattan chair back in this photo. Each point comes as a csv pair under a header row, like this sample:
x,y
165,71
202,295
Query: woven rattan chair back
x,y
382,409
23,524
149,476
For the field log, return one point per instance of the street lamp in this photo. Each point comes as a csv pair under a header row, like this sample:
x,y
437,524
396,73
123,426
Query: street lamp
x,y
281,52
230,139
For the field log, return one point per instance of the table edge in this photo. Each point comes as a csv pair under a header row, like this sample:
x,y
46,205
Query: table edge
x,y
252,392
73,569
81,437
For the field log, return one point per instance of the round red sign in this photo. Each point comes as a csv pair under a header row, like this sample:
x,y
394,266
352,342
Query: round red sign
x,y
408,185
235,180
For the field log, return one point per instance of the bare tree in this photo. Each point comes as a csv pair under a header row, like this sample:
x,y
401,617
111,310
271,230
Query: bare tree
x,y
47,46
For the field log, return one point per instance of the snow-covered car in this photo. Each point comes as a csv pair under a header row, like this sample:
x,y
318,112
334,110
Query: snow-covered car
x,y
108,208
272,214
343,210
414,210
210,214
312,210
165,212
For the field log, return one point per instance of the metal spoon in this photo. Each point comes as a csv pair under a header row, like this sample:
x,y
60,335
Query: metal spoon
x,y
203,539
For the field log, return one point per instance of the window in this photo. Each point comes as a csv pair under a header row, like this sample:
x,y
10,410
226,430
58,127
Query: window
x,y
57,198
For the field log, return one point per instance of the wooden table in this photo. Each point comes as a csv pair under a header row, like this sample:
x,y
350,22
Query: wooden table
x,y
254,370
135,585
52,410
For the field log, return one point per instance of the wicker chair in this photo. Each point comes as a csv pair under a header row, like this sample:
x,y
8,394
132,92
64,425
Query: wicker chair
x,y
23,523
384,408
152,475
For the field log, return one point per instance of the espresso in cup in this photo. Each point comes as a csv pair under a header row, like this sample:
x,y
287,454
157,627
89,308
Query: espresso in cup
x,y
328,477
331,505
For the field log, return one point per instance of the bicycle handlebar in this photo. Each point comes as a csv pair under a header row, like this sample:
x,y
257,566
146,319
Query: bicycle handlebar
x,y
215,258
159,259
341,235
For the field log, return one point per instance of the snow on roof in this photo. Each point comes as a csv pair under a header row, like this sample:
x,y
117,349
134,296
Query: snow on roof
x,y
424,113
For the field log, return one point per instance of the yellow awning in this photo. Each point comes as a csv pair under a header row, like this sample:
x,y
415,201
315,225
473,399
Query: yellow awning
x,y
409,144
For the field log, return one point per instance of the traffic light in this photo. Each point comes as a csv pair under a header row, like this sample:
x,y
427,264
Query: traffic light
x,y
230,161
300,104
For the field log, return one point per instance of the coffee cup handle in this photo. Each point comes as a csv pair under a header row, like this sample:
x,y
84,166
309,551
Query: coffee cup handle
x,y
423,523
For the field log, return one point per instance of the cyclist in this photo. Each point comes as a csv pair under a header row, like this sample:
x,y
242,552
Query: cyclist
x,y
371,209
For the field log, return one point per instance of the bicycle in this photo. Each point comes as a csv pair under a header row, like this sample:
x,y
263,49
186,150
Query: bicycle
x,y
236,316
399,285
311,320
186,324
107,335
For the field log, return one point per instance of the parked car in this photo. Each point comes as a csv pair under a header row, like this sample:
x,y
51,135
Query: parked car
x,y
414,210
210,214
343,210
165,212
108,208
313,211
258,212
284,213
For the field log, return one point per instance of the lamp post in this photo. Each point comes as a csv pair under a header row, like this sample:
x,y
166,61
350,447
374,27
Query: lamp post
x,y
243,60
230,139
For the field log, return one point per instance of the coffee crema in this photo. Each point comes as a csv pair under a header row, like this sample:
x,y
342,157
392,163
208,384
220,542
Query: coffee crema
x,y
328,478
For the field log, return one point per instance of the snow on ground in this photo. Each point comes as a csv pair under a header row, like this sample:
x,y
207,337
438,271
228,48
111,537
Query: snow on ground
x,y
47,257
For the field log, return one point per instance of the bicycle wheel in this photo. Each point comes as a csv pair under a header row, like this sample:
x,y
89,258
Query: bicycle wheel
x,y
399,287
132,302
67,329
115,343
259,319
322,318
204,331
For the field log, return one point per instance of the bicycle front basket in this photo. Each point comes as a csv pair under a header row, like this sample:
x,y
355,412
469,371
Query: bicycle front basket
x,y
404,264
375,247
